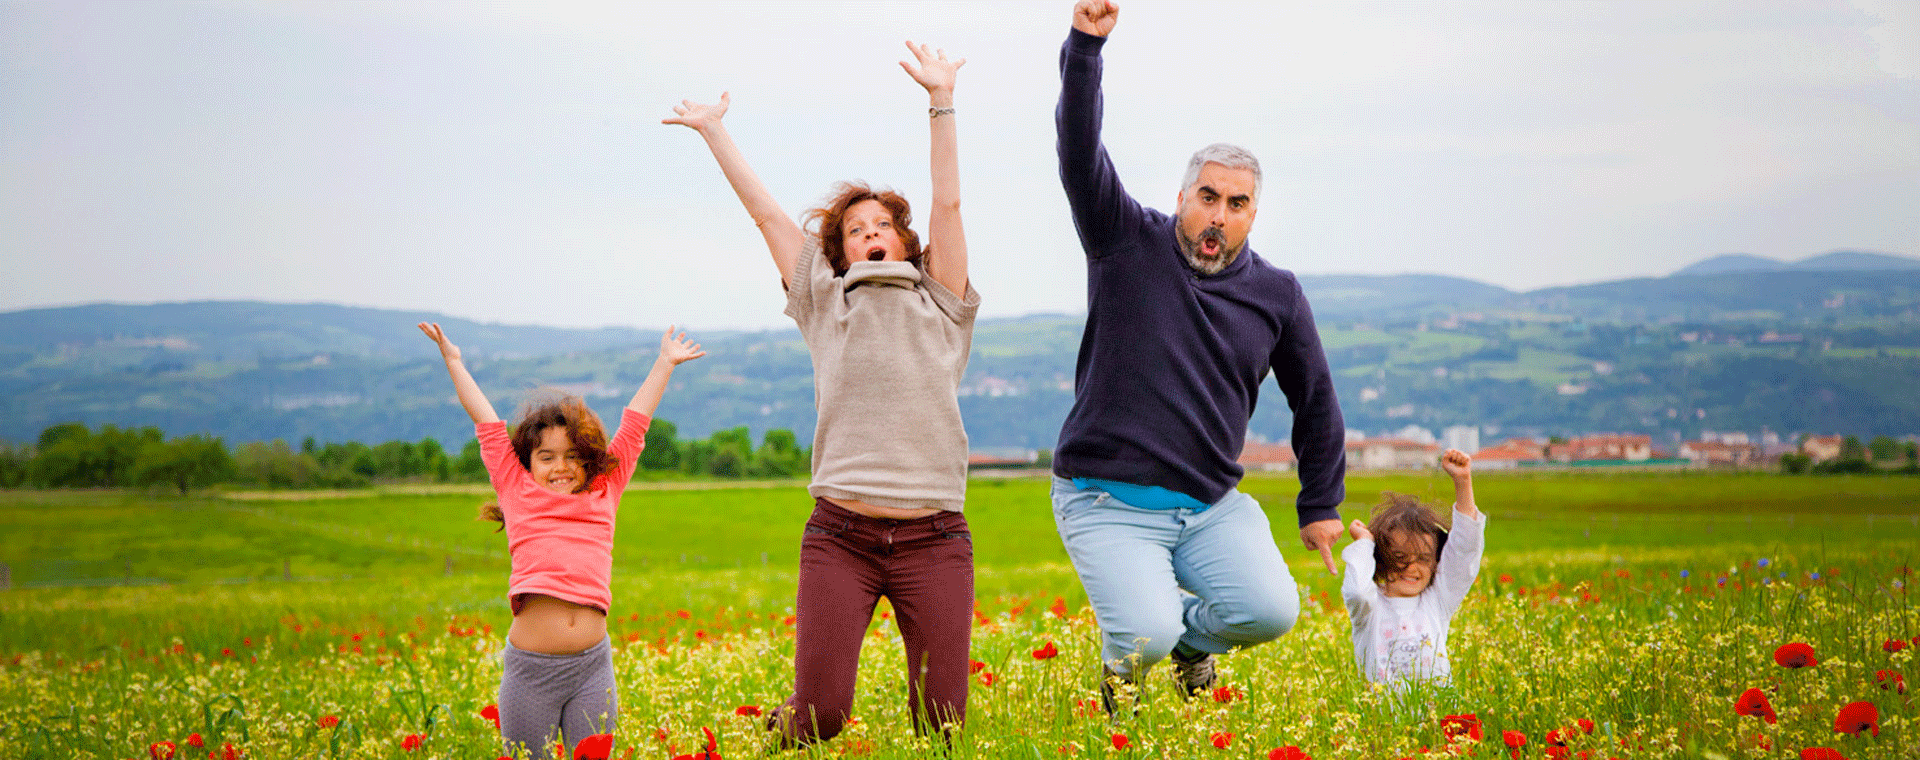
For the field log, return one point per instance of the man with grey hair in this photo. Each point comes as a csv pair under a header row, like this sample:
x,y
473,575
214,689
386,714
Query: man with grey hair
x,y
1184,322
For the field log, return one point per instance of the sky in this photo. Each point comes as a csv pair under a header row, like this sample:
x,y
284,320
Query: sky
x,y
504,161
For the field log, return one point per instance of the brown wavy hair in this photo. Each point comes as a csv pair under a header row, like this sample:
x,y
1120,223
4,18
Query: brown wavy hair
x,y
827,218
1397,519
547,408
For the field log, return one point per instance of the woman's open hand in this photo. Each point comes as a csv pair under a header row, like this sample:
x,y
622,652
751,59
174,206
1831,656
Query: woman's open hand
x,y
934,71
699,116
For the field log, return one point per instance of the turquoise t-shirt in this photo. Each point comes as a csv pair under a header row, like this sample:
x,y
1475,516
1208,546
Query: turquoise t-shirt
x,y
1144,497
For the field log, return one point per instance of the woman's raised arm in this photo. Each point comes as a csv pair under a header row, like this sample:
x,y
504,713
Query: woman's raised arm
x,y
947,260
783,235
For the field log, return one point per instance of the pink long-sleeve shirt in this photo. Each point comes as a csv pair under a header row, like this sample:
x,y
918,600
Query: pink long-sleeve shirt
x,y
561,544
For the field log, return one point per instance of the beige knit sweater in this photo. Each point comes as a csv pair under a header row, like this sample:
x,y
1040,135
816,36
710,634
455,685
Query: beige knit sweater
x,y
889,348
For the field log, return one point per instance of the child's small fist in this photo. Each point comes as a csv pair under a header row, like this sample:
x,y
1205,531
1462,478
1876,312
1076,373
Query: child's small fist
x,y
1358,529
1456,463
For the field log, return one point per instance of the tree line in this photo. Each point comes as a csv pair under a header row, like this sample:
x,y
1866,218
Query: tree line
x,y
72,455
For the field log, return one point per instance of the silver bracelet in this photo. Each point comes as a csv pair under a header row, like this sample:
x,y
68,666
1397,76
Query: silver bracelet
x,y
934,113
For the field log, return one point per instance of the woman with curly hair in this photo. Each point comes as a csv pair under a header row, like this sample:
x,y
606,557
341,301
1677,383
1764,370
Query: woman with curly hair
x,y
889,324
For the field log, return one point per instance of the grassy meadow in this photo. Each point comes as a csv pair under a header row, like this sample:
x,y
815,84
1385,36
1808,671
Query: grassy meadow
x,y
1644,603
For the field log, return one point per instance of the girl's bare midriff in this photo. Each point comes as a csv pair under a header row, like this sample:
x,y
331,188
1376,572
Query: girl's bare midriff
x,y
555,626
884,513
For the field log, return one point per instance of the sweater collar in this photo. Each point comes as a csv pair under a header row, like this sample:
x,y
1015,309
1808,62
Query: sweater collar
x,y
900,274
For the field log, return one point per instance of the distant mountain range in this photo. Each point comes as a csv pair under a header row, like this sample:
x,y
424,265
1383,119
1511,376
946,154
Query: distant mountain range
x,y
1837,261
1828,344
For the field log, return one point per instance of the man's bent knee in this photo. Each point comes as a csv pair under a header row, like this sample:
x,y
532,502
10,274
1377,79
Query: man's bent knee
x,y
1262,621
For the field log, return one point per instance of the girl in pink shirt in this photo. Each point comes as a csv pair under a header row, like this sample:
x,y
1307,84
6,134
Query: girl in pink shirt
x,y
559,482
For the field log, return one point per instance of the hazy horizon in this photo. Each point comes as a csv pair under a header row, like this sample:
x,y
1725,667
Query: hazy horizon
x,y
445,157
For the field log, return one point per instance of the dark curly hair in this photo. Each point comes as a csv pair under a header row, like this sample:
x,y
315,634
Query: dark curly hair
x,y
827,218
1397,519
547,408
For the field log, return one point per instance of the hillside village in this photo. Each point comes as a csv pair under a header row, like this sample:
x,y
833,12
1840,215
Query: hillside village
x,y
1413,448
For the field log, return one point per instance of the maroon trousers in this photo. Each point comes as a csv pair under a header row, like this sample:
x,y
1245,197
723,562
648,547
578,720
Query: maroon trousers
x,y
847,562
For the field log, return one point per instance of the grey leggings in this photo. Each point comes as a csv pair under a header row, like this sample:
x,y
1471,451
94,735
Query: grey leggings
x,y
542,692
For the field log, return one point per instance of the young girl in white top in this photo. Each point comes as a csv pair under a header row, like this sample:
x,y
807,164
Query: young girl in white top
x,y
1406,575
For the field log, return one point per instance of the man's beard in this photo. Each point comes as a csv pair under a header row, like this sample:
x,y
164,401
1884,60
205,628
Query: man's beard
x,y
1190,247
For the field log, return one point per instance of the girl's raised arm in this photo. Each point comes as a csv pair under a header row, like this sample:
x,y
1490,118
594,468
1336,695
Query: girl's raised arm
x,y
475,402
947,257
674,351
783,235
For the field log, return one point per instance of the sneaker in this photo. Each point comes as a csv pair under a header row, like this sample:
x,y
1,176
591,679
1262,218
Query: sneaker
x,y
1193,673
1109,685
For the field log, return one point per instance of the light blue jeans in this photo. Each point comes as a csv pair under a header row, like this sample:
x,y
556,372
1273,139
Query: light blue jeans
x,y
1212,578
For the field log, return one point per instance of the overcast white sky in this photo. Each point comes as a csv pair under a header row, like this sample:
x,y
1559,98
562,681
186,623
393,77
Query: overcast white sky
x,y
503,161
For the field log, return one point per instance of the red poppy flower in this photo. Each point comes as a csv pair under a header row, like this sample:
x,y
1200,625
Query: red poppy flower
x,y
160,750
1288,752
1467,725
1120,741
194,740
975,666
1586,726
683,614
595,747
1505,578
1559,752
1514,739
1857,718
1047,652
492,714
1225,694
747,710
1894,645
1754,702
1795,655
987,677
1821,753
1058,608
412,742
1221,739
1760,741
1557,738
328,721
1891,681
712,752
228,751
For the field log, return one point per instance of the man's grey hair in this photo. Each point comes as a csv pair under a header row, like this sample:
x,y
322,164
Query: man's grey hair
x,y
1230,156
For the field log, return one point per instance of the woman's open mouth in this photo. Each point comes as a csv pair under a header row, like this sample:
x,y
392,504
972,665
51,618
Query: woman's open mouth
x,y
877,254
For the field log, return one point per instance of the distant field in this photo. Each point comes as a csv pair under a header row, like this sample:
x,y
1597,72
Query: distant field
x,y
65,537
57,538
1644,601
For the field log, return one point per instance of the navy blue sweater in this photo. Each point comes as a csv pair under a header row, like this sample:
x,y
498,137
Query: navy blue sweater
x,y
1171,362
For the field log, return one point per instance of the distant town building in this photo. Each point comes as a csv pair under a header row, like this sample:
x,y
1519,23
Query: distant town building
x,y
1821,448
1631,448
1725,437
1719,454
1000,458
1414,433
1463,437
1391,454
1509,454
1267,457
